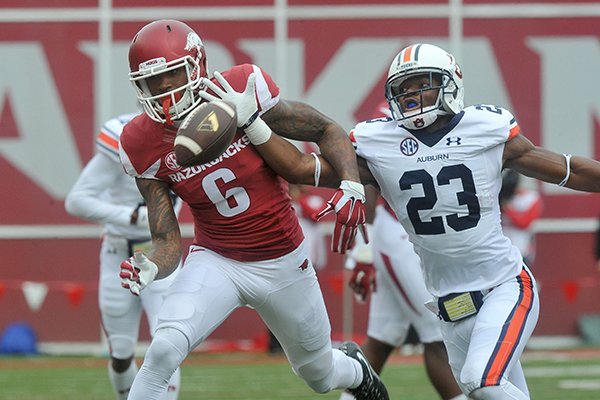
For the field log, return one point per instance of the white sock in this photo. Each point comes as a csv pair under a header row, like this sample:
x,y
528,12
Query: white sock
x,y
346,396
121,382
460,397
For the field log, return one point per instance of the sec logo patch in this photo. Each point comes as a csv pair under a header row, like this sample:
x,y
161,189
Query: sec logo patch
x,y
409,146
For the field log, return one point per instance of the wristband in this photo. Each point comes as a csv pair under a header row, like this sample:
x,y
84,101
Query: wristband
x,y
566,179
258,132
250,120
317,169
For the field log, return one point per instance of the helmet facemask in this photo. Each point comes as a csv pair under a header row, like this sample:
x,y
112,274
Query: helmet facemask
x,y
426,114
174,104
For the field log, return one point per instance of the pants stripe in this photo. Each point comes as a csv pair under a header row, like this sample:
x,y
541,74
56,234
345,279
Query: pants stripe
x,y
390,269
511,332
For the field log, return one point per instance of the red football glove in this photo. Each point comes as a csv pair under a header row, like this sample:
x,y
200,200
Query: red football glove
x,y
137,272
363,281
348,203
360,260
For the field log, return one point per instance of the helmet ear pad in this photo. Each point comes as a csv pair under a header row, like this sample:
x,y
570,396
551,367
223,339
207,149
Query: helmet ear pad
x,y
452,96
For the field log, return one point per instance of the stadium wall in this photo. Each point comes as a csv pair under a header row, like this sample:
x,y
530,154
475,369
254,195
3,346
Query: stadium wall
x,y
64,71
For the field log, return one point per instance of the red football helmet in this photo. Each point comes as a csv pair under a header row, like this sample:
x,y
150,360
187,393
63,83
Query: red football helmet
x,y
163,46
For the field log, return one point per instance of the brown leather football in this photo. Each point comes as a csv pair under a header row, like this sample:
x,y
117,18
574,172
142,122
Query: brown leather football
x,y
205,133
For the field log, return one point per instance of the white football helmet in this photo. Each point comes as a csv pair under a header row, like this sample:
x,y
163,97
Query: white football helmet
x,y
159,47
419,59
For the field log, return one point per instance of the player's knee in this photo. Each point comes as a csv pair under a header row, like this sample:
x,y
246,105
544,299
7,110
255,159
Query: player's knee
x,y
167,351
120,365
122,347
318,374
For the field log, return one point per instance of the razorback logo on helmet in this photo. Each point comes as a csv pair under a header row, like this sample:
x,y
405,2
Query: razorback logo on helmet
x,y
193,41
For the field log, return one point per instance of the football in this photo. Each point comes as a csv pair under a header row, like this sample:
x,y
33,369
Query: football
x,y
205,133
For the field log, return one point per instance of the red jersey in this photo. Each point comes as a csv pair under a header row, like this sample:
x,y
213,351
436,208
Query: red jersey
x,y
241,207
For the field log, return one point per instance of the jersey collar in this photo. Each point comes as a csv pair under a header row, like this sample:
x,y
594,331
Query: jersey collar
x,y
430,139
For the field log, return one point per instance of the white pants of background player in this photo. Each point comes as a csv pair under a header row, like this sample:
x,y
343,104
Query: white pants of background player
x,y
285,293
399,299
121,313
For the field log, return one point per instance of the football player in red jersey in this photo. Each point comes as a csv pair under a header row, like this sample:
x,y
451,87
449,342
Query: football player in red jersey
x,y
248,248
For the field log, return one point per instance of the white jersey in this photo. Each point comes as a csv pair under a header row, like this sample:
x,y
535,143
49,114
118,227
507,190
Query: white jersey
x,y
104,193
444,187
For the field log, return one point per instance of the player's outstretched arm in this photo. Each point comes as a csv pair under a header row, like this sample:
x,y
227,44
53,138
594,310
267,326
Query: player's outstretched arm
x,y
84,200
299,121
579,173
297,167
166,248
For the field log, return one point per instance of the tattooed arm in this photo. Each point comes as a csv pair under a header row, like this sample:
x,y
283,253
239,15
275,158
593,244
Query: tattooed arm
x,y
299,121
166,248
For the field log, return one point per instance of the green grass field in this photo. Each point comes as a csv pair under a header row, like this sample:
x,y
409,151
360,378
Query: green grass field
x,y
248,376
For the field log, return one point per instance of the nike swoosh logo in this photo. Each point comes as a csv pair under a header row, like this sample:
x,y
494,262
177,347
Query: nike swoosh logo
x,y
360,356
196,249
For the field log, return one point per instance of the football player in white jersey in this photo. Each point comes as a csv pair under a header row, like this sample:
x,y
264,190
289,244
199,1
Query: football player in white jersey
x,y
389,268
105,194
438,164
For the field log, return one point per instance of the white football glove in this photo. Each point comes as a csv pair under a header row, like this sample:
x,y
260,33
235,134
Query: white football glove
x,y
245,102
137,272
245,105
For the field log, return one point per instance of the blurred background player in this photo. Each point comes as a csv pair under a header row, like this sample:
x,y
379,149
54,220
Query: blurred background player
x,y
519,208
103,193
389,268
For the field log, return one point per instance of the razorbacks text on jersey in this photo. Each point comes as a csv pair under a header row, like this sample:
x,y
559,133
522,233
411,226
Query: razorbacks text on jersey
x,y
444,186
241,208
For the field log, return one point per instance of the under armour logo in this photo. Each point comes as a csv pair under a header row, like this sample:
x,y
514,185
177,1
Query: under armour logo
x,y
453,140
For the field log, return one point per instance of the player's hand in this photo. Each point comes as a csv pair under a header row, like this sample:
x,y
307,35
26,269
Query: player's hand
x,y
360,261
139,217
137,272
245,102
348,203
362,281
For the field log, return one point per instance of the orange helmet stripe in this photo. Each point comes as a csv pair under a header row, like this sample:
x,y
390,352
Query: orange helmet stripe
x,y
407,54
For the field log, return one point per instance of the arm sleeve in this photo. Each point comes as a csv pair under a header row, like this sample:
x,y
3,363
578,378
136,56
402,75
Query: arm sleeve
x,y
85,200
